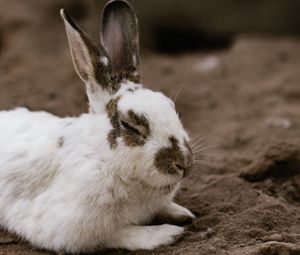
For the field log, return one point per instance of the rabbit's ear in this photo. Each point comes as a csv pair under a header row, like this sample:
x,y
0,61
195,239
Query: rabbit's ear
x,y
91,61
120,38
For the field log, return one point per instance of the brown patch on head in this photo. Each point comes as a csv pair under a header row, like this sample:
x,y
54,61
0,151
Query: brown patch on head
x,y
135,129
112,107
139,120
170,160
136,136
60,142
112,138
109,81
113,115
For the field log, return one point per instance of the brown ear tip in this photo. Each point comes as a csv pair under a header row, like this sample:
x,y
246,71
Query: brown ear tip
x,y
118,4
62,13
65,15
68,19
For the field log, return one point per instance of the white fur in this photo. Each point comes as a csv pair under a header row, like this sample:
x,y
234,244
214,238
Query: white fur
x,y
64,188
146,237
176,211
104,60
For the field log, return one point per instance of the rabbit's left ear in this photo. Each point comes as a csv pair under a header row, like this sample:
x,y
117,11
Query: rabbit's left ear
x,y
120,38
92,64
90,60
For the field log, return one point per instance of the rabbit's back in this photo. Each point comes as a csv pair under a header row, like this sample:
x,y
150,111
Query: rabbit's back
x,y
23,124
25,136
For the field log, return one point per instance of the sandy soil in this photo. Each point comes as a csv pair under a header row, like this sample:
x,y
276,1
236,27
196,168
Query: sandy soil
x,y
244,101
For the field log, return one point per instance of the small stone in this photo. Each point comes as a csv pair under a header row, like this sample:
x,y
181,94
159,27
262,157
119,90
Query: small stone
x,y
207,64
206,233
282,123
273,237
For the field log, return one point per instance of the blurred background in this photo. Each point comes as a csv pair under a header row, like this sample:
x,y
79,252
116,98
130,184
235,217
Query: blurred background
x,y
174,25
34,50
233,68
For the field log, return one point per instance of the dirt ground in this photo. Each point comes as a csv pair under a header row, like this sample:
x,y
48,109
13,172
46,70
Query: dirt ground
x,y
243,100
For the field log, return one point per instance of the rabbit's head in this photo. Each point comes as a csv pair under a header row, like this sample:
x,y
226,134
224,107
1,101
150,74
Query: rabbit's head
x,y
147,137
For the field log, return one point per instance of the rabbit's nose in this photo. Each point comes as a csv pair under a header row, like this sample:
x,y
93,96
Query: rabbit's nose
x,y
184,167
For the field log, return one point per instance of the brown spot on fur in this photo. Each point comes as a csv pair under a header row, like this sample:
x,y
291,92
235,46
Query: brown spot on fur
x,y
112,138
128,74
60,142
140,120
113,115
167,158
112,107
107,80
141,131
131,139
132,136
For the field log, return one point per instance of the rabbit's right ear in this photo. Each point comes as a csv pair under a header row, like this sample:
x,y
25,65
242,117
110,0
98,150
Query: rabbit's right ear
x,y
90,60
120,38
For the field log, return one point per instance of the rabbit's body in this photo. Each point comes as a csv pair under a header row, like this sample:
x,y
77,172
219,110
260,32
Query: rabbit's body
x,y
65,180
79,183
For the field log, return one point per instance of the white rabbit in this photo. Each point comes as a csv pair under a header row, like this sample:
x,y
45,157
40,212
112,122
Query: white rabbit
x,y
77,184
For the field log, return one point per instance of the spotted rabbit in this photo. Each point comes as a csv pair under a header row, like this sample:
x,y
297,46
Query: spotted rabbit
x,y
79,183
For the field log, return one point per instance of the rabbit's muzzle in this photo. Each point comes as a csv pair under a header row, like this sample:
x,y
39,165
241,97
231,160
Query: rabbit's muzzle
x,y
173,160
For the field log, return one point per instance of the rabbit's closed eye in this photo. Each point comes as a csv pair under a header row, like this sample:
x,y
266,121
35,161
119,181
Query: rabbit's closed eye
x,y
130,128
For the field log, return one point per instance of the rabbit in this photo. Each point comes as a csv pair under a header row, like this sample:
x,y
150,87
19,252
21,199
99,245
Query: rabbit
x,y
78,184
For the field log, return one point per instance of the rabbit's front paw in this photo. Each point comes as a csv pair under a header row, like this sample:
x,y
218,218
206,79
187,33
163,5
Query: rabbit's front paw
x,y
163,235
145,237
175,214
